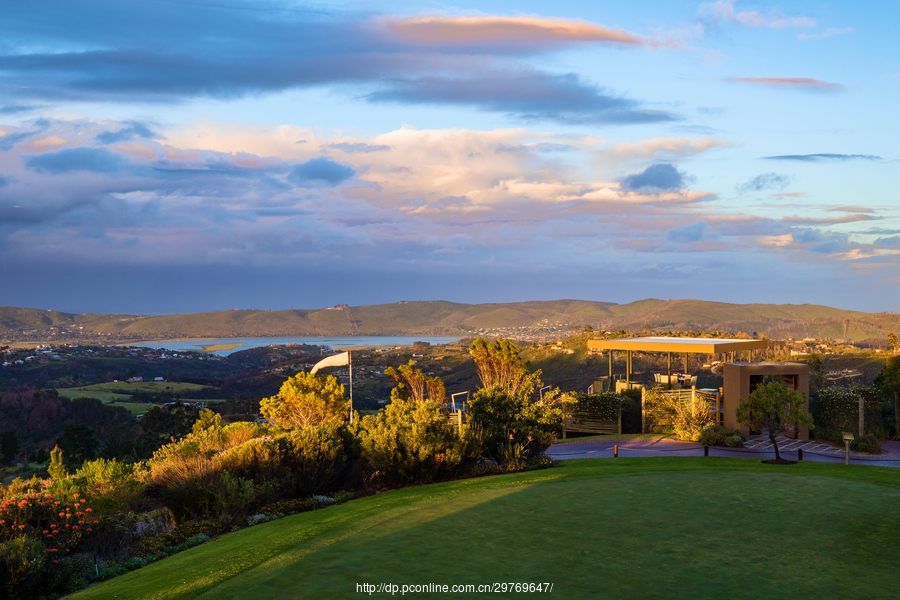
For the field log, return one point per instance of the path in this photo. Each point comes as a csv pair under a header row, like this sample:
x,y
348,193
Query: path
x,y
757,446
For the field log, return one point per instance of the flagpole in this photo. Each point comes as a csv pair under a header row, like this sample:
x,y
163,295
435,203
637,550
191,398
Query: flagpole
x,y
350,362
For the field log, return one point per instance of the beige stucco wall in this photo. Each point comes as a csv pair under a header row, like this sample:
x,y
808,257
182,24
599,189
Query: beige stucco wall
x,y
737,388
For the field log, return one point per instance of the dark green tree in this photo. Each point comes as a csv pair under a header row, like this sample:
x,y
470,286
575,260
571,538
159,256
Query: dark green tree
x,y
161,423
9,447
78,444
817,375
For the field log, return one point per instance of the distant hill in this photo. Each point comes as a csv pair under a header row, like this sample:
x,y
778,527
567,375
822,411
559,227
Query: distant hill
x,y
517,319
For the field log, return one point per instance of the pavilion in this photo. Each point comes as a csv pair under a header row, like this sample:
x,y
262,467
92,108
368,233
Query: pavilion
x,y
740,379
673,345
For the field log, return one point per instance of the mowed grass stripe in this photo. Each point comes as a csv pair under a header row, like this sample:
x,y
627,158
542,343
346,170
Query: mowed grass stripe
x,y
643,527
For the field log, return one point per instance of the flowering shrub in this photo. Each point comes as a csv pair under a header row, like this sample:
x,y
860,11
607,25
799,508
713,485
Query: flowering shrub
x,y
60,525
39,536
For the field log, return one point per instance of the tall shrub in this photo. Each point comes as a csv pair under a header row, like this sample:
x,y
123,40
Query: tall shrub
x,y
307,400
515,428
413,442
318,460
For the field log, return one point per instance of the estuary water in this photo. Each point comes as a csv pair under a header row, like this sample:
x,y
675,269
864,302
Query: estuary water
x,y
224,347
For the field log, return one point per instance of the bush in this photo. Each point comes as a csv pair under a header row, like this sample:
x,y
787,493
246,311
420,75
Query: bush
x,y
867,443
717,435
204,476
413,442
318,460
22,561
837,407
184,536
515,429
691,418
832,435
113,484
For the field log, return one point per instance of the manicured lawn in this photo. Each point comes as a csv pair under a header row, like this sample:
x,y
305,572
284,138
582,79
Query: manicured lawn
x,y
624,528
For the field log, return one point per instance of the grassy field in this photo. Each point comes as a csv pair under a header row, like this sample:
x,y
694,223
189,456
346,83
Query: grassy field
x,y
119,393
629,528
121,387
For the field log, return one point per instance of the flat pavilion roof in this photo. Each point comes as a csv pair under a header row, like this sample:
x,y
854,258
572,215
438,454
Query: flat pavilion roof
x,y
672,344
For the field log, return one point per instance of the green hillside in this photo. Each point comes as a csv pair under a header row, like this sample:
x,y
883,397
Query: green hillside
x,y
449,318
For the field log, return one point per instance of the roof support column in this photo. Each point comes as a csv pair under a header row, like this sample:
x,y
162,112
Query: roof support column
x,y
670,371
628,355
609,385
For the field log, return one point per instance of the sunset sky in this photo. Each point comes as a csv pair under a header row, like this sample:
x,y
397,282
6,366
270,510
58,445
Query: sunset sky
x,y
178,156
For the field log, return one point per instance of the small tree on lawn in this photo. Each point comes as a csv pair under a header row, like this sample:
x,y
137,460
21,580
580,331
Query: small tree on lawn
x,y
772,407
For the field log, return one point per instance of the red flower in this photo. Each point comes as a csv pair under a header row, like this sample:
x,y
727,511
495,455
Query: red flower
x,y
89,529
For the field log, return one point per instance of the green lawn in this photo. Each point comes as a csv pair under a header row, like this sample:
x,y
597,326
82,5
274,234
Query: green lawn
x,y
119,393
627,528
122,387
87,392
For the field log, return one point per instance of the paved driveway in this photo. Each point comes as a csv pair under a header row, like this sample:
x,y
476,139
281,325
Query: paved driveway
x,y
757,446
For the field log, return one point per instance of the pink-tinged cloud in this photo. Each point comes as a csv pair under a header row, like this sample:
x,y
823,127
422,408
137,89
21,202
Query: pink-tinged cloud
x,y
791,82
492,30
798,220
724,10
853,209
825,34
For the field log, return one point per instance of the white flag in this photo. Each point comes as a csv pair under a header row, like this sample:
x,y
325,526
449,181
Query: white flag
x,y
338,360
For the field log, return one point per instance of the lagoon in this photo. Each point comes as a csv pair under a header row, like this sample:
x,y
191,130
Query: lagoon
x,y
224,347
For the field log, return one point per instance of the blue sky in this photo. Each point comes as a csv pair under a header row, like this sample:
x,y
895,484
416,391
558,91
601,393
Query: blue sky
x,y
164,157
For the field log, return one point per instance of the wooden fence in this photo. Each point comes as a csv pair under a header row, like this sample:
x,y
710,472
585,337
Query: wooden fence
x,y
585,421
662,415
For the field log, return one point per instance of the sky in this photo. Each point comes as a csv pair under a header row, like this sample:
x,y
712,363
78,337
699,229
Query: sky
x,y
167,157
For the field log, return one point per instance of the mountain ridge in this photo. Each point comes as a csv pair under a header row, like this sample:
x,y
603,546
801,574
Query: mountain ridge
x,y
440,317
